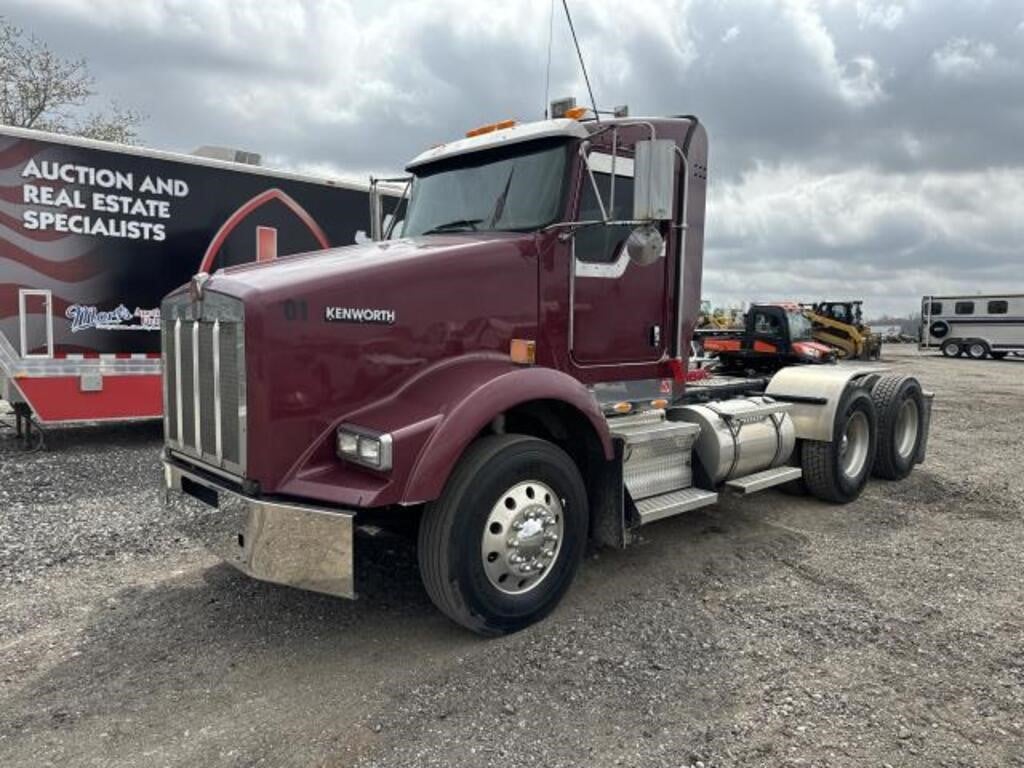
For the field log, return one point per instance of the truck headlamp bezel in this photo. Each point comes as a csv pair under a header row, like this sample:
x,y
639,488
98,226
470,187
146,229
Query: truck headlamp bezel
x,y
359,446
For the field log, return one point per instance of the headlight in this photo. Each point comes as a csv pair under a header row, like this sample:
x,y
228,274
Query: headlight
x,y
364,447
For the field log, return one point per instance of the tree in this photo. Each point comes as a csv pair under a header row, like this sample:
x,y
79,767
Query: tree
x,y
40,89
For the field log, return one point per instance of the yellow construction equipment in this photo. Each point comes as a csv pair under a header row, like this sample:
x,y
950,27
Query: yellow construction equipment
x,y
840,324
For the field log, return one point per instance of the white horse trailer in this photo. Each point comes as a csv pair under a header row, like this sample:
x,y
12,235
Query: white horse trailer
x,y
975,326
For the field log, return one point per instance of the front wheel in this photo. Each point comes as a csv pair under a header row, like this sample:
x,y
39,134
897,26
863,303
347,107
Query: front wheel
x,y
501,546
837,471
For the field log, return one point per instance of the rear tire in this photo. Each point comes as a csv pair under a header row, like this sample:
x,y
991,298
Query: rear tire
x,y
951,349
837,471
467,561
977,350
899,404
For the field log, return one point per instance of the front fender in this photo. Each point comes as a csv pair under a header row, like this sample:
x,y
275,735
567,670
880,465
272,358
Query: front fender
x,y
479,403
432,419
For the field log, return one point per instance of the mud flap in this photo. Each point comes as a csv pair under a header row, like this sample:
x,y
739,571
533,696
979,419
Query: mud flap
x,y
609,525
926,426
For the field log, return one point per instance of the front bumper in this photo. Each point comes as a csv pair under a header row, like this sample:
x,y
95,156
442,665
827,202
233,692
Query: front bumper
x,y
295,545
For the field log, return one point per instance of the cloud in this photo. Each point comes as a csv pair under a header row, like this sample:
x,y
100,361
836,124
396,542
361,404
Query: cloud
x,y
887,16
961,58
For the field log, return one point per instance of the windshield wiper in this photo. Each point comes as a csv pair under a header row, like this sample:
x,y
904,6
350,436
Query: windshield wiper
x,y
458,224
499,205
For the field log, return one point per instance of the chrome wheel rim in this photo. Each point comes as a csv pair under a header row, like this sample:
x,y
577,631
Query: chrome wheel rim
x,y
522,537
977,351
906,427
853,446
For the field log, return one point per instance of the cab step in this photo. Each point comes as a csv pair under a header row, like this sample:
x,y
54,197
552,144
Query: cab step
x,y
766,478
673,503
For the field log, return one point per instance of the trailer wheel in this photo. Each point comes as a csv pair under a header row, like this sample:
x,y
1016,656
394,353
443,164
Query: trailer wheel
x,y
899,404
837,471
977,350
500,547
951,349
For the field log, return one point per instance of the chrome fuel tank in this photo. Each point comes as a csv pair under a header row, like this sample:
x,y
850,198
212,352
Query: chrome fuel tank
x,y
739,437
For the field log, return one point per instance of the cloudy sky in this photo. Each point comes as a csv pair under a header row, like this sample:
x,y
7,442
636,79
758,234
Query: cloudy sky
x,y
859,148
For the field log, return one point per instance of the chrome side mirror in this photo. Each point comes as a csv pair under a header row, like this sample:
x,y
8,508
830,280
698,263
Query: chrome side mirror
x,y
645,245
654,166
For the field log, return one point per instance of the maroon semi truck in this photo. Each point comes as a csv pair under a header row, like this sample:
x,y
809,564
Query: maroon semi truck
x,y
510,374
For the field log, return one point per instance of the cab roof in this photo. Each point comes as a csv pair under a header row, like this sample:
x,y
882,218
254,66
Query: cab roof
x,y
542,129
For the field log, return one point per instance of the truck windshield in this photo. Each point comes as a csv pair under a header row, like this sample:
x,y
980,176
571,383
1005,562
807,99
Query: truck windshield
x,y
799,327
517,188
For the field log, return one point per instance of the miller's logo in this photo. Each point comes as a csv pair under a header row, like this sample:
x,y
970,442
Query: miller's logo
x,y
359,315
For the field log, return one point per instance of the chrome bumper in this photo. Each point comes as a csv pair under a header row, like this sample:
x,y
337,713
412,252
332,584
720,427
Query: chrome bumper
x,y
288,544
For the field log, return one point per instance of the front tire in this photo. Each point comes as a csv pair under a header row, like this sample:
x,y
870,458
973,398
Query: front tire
x,y
899,403
837,471
500,548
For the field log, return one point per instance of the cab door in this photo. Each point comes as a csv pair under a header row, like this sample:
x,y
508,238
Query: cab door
x,y
619,312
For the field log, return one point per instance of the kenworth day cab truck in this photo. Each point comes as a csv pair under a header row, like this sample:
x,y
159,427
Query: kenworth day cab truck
x,y
511,372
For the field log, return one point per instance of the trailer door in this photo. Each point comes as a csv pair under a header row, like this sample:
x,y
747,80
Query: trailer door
x,y
35,320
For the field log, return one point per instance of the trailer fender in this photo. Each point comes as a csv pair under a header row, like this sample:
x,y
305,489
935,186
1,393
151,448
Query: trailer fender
x,y
814,393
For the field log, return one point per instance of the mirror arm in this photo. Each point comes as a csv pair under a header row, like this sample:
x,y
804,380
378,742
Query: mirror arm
x,y
403,196
590,172
615,149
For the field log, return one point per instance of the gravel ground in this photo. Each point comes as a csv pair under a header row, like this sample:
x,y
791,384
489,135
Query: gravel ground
x,y
775,631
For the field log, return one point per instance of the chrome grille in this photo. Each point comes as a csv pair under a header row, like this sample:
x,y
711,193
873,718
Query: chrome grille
x,y
204,380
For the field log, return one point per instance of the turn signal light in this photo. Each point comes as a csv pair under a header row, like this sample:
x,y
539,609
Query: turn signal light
x,y
523,351
576,113
501,125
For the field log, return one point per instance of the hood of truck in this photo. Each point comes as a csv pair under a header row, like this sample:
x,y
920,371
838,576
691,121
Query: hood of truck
x,y
329,333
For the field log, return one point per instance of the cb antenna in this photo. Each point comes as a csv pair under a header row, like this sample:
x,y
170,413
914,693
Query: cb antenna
x,y
579,53
547,72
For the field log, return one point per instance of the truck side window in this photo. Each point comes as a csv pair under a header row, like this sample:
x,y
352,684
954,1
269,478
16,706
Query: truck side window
x,y
766,325
964,308
936,308
599,244
998,307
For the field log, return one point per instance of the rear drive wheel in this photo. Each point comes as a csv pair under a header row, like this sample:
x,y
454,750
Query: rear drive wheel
x,y
951,349
837,471
899,404
977,350
501,546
